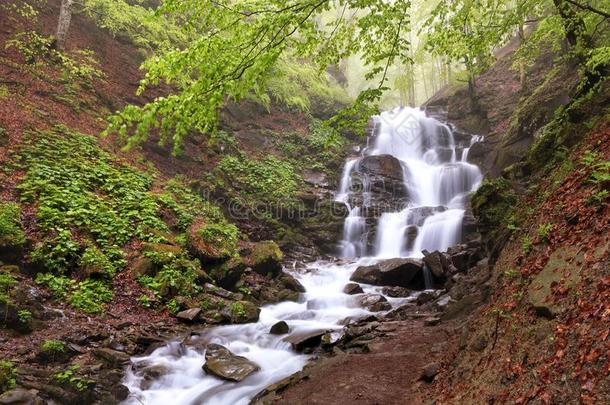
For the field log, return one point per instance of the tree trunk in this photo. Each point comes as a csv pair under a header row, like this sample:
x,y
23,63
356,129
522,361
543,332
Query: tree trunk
x,y
63,25
522,75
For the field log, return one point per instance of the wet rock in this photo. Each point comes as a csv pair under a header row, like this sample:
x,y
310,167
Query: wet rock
x,y
429,372
375,303
425,297
266,259
393,272
305,340
288,295
20,396
314,178
228,274
120,392
279,328
189,315
396,292
242,312
291,283
152,373
438,264
113,358
353,288
222,363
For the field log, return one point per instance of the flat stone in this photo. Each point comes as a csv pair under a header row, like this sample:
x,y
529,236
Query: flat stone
x,y
432,321
112,357
222,363
301,341
189,315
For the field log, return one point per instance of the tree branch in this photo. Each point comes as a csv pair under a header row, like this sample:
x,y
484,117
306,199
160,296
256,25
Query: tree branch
x,y
589,8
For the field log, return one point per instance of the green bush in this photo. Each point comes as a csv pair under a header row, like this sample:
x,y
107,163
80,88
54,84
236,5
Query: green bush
x,y
53,346
90,296
60,286
11,230
7,375
178,277
7,281
75,185
269,180
70,376
222,236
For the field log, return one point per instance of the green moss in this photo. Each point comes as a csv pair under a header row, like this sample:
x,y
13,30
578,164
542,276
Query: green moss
x,y
11,230
493,204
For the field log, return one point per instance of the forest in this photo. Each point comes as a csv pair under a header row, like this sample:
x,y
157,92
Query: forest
x,y
304,202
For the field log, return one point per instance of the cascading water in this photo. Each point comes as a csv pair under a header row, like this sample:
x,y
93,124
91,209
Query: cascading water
x,y
437,184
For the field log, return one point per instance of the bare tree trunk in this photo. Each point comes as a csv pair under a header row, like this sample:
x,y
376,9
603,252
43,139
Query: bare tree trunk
x,y
63,25
522,75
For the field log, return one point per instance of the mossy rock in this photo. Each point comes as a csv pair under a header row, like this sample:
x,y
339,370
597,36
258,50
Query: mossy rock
x,y
212,242
266,258
143,266
228,274
242,312
12,237
162,249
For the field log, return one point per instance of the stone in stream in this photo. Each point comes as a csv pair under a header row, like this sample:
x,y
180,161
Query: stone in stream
x,y
279,328
304,340
352,288
220,362
375,303
393,272
396,292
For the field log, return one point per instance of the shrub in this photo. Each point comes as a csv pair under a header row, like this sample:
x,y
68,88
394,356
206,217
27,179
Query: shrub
x,y
7,281
7,375
11,230
90,296
238,310
544,231
53,346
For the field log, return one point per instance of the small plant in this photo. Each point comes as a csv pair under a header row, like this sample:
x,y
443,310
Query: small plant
x,y
7,375
512,273
145,301
6,282
598,198
53,346
245,290
544,231
60,286
70,376
90,296
172,306
24,315
221,236
238,310
527,245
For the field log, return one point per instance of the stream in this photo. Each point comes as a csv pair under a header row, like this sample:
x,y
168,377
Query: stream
x,y
437,180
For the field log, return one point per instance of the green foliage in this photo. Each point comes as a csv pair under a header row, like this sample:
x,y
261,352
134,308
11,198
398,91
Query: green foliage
x,y
11,229
53,346
527,245
269,180
140,24
7,375
4,93
60,286
96,261
234,53
238,310
222,236
598,198
296,84
7,281
185,205
90,296
77,186
70,376
544,230
178,277
24,315
38,51
493,203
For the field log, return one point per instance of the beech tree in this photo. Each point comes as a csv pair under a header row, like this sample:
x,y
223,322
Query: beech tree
x,y
63,24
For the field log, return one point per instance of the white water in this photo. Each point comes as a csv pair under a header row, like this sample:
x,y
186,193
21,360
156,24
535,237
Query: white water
x,y
433,177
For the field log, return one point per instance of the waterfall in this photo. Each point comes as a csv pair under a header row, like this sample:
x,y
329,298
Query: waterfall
x,y
433,176
436,185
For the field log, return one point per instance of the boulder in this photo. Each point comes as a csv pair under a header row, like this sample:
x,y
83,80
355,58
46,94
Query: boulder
x,y
291,283
20,396
189,315
241,312
438,264
228,274
375,303
393,272
143,266
429,372
304,340
220,362
279,328
396,292
209,242
266,259
352,288
113,358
